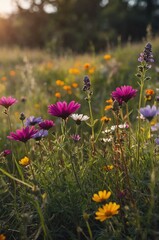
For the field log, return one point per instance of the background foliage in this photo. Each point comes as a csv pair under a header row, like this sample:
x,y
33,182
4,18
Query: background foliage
x,y
79,25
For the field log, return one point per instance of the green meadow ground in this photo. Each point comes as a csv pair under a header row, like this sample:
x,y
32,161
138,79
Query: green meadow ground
x,y
51,198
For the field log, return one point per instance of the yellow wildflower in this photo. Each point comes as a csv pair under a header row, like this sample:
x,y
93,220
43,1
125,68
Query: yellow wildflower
x,y
2,88
108,167
107,211
74,71
37,105
57,94
2,237
74,85
59,82
107,56
101,196
24,161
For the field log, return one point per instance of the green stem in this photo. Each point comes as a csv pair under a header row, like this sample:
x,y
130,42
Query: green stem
x,y
142,79
89,230
92,122
98,134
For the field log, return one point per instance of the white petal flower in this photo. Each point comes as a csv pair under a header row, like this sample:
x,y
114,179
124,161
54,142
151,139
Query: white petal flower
x,y
79,117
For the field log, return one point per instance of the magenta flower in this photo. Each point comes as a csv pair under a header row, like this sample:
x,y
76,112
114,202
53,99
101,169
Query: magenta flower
x,y
62,109
7,101
123,94
6,152
46,124
23,135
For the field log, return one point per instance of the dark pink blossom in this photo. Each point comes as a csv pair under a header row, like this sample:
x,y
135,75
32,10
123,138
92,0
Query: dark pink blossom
x,y
46,124
75,137
63,109
23,135
123,94
7,101
6,152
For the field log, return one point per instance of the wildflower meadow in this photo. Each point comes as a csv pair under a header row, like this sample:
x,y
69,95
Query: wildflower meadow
x,y
79,143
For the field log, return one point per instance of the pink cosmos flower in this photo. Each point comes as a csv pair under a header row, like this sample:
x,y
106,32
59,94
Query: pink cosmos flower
x,y
63,109
123,94
46,124
7,101
23,135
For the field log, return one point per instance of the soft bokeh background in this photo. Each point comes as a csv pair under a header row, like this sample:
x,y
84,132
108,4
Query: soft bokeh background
x,y
76,25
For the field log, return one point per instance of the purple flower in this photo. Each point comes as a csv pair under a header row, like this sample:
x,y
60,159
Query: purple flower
x,y
40,134
155,127
87,83
149,112
6,152
157,141
23,135
146,55
62,109
123,94
31,121
75,137
46,124
7,101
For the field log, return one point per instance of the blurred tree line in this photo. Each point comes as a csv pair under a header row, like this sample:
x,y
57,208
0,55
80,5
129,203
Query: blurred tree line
x,y
78,24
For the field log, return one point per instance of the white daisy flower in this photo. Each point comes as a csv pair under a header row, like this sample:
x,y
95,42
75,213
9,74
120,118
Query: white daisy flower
x,y
78,118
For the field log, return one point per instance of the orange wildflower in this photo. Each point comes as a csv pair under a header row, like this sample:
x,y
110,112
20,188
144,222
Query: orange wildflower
x,y
2,237
74,85
108,107
74,71
107,56
3,78
12,73
105,119
91,70
67,87
149,92
59,82
110,101
87,66
57,94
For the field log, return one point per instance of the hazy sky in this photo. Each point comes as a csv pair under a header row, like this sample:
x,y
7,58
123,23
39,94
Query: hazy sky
x,y
6,6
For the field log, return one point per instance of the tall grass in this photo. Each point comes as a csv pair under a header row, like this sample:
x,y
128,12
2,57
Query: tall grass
x,y
47,185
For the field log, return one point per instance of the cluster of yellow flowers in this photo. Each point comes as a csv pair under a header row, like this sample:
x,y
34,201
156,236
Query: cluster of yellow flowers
x,y
66,88
109,209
